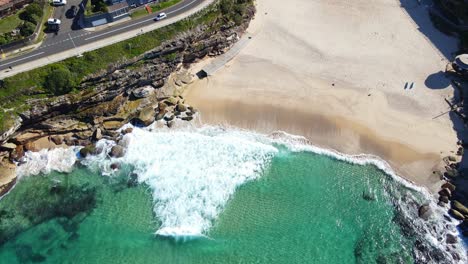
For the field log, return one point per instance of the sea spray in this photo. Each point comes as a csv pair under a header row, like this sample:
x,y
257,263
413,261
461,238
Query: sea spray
x,y
45,161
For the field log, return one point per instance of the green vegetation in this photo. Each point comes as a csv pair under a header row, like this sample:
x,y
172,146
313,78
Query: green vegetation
x,y
25,20
7,24
60,81
154,7
95,7
45,81
32,13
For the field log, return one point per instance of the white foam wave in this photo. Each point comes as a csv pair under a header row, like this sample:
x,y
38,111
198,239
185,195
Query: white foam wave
x,y
46,161
193,174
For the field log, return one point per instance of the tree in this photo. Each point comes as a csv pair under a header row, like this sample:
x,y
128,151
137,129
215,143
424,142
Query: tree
x,y
27,28
225,6
32,13
60,81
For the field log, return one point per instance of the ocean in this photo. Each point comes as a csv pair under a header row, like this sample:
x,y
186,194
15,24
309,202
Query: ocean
x,y
218,195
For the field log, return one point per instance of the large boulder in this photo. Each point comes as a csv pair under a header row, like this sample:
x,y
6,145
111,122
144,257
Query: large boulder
x,y
88,150
445,192
451,239
449,186
146,116
30,146
181,108
443,199
456,214
17,153
424,211
8,146
142,92
117,151
460,207
58,140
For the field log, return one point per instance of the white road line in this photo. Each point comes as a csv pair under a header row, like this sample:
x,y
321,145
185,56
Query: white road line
x,y
182,7
144,21
22,59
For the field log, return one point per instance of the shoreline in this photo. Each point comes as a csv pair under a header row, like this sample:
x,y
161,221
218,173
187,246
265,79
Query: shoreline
x,y
360,109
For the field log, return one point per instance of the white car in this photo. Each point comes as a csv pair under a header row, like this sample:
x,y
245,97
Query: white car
x,y
160,16
54,21
59,2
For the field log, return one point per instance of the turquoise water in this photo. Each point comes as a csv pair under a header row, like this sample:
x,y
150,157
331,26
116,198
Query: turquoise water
x,y
302,208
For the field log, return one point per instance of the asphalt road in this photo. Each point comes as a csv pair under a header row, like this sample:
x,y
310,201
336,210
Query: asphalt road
x,y
68,39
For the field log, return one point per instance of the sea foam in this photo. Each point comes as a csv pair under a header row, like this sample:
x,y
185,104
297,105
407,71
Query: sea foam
x,y
45,161
193,174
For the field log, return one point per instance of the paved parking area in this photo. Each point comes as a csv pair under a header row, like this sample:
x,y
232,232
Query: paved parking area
x,y
63,13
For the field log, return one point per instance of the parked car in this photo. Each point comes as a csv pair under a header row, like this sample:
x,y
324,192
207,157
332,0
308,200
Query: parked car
x,y
59,2
160,16
53,21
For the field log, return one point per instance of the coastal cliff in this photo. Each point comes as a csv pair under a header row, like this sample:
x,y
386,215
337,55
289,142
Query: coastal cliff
x,y
140,90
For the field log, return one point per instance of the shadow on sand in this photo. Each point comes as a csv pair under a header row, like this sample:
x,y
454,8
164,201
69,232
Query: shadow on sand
x,y
418,13
437,80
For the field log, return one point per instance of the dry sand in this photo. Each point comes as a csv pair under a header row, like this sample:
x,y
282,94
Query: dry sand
x,y
334,71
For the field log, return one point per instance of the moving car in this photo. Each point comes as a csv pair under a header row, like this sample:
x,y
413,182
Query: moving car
x,y
160,16
53,21
59,2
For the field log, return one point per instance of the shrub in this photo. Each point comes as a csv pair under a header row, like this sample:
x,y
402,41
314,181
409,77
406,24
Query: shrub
x,y
27,28
32,13
60,81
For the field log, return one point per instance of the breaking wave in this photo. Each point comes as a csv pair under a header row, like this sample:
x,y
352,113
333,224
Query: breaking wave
x,y
193,172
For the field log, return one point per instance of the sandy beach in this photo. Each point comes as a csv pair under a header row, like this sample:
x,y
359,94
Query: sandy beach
x,y
335,72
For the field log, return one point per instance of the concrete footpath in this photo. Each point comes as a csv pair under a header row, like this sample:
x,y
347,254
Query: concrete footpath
x,y
98,44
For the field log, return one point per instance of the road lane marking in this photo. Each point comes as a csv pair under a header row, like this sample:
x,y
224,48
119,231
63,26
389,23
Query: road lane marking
x,y
134,24
182,7
22,58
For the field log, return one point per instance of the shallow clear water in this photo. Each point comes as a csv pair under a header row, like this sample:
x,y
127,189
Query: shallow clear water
x,y
300,208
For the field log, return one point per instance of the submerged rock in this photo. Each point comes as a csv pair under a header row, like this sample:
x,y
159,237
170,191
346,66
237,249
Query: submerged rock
x,y
115,166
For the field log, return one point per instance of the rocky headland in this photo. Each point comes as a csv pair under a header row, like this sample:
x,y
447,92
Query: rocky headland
x,y
140,91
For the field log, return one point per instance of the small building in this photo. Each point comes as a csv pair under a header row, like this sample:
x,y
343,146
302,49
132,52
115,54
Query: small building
x,y
114,12
118,11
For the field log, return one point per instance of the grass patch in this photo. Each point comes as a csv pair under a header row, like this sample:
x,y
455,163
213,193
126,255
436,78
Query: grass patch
x,y
47,12
140,12
16,90
7,24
